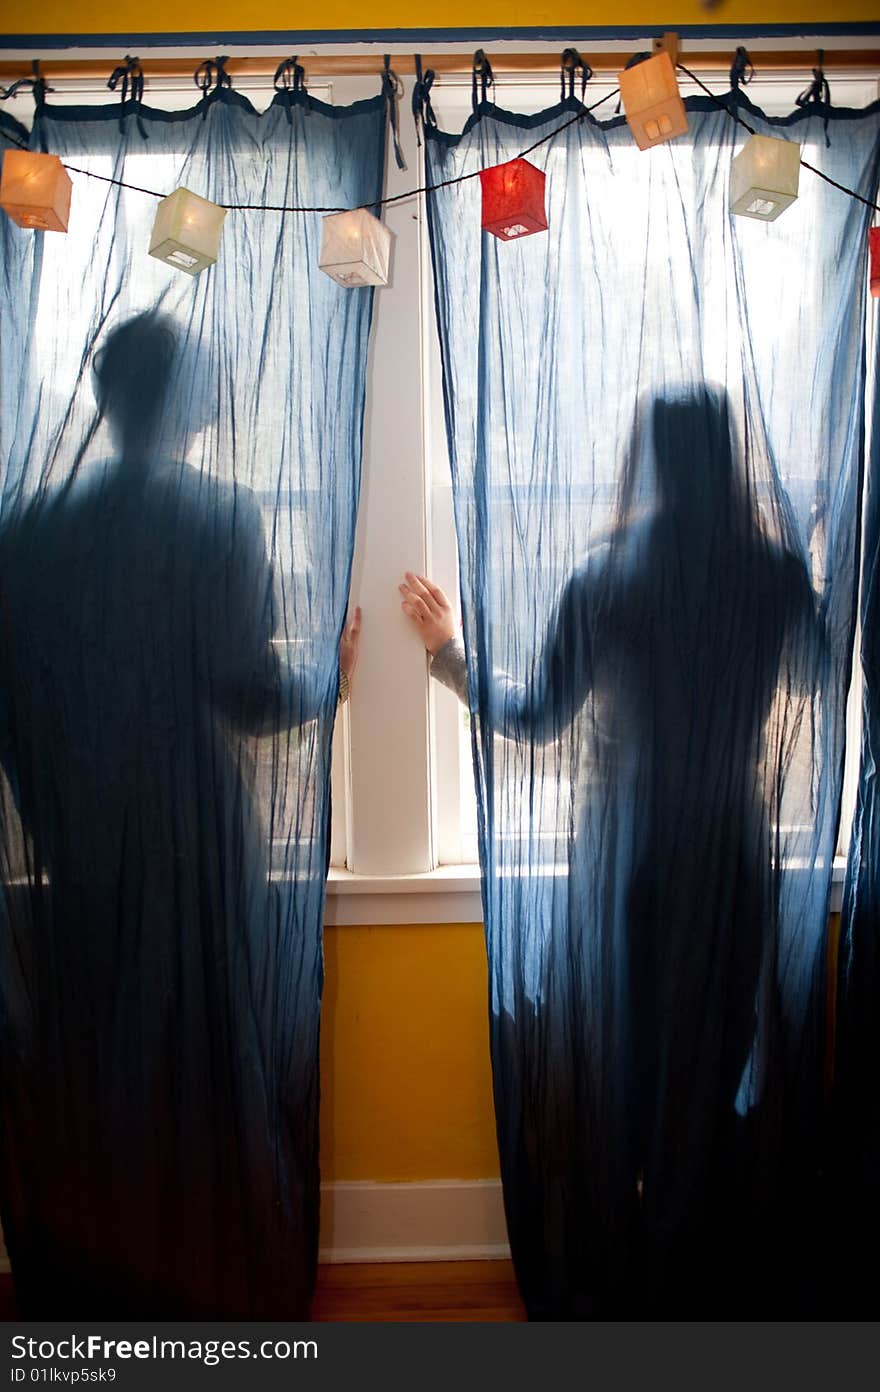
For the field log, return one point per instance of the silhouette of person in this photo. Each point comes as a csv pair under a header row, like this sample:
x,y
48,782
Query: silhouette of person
x,y
669,647
158,1152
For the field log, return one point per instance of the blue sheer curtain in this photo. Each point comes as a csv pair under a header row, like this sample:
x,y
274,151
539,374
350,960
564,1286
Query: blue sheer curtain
x,y
174,579
655,420
854,1208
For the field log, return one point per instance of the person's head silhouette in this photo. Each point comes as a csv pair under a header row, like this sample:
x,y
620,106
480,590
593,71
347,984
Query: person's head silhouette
x,y
132,372
693,452
152,385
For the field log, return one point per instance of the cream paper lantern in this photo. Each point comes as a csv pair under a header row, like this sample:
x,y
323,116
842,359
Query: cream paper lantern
x,y
35,191
187,230
764,177
355,248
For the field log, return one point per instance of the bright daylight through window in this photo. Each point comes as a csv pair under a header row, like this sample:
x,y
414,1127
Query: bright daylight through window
x,y
403,797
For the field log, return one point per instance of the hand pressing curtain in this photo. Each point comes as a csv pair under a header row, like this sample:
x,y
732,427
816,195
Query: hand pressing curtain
x,y
181,462
654,413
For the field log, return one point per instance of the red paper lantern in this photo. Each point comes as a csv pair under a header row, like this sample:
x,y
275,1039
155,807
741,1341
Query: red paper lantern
x,y
513,200
874,248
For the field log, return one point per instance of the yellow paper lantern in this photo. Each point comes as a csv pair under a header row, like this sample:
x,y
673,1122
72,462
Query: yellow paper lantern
x,y
764,177
652,102
187,230
355,248
35,191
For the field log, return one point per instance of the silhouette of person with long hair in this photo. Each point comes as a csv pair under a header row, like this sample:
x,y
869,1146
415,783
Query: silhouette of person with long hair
x,y
668,648
154,1065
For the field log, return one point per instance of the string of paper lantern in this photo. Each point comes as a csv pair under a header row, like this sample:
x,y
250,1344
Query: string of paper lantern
x,y
35,189
851,193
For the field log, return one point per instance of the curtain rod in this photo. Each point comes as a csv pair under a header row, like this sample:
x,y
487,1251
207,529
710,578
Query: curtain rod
x,y
452,64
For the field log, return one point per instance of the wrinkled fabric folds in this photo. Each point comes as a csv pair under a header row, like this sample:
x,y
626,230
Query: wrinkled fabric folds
x,y
854,1207
173,581
655,417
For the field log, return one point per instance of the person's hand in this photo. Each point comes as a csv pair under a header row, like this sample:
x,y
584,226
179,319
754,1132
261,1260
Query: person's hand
x,y
348,644
429,611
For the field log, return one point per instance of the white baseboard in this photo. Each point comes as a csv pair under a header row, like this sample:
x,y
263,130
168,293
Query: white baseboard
x,y
440,1220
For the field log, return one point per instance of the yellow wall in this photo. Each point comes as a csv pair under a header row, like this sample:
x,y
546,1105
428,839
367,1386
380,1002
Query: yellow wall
x,y
217,16
406,1088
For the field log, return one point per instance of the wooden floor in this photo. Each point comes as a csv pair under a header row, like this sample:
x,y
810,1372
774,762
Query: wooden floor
x,y
426,1292
412,1292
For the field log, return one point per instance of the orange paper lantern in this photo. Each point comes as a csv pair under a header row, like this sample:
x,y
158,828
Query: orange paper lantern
x,y
652,102
874,249
35,190
513,199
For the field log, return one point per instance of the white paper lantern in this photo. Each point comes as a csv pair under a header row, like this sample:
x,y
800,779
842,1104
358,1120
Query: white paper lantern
x,y
764,177
35,190
355,248
186,233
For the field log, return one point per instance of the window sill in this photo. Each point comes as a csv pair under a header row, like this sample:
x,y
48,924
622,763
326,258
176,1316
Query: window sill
x,y
450,894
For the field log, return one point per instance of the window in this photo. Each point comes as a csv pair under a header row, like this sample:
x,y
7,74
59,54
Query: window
x,y
454,789
402,783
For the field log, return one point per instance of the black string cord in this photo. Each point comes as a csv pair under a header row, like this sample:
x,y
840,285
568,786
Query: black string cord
x,y
461,178
804,164
379,202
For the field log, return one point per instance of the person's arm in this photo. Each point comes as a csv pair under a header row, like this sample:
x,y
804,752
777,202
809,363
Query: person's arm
x,y
349,648
539,710
260,689
449,667
430,612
